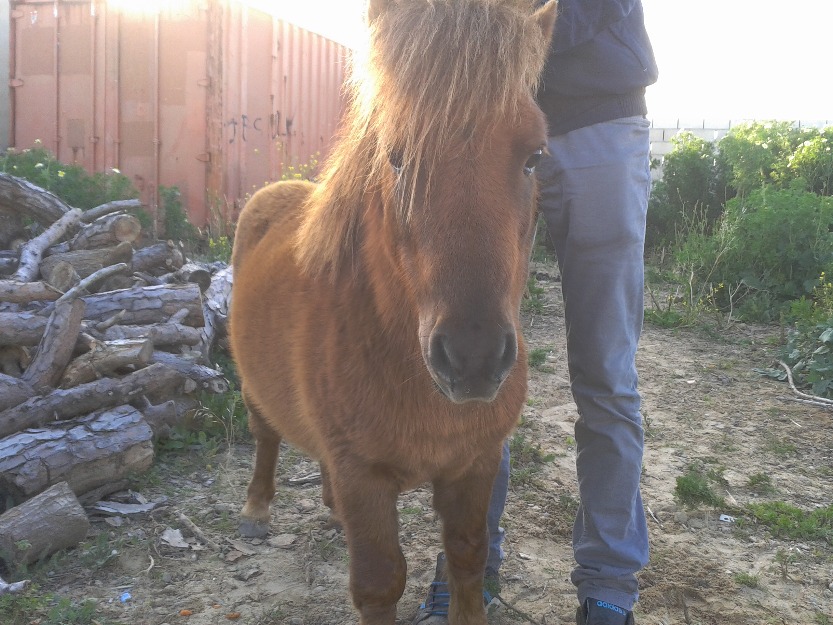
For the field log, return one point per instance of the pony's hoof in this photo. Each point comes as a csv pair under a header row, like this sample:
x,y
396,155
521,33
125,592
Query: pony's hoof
x,y
253,529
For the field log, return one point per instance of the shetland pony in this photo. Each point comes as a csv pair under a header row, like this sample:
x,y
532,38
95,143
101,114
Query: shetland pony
x,y
375,316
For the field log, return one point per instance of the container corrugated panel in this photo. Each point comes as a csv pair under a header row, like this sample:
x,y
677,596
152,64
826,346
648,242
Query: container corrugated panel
x,y
212,97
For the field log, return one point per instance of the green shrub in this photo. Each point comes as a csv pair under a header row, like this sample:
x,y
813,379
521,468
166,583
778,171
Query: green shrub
x,y
69,182
812,161
769,248
175,219
758,153
781,241
787,521
692,182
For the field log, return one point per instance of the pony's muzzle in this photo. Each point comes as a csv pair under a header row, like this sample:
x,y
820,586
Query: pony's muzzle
x,y
471,365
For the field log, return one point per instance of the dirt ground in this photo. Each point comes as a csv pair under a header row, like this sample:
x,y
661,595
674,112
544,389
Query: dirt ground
x,y
703,406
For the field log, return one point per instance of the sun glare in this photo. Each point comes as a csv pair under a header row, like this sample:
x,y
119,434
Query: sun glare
x,y
150,7
341,21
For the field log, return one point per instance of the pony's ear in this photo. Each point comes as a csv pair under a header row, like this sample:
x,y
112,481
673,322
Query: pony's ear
x,y
375,8
545,16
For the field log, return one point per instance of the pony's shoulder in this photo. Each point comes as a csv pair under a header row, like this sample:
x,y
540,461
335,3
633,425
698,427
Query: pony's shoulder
x,y
278,206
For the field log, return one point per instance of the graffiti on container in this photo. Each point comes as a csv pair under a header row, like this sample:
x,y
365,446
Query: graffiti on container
x,y
241,126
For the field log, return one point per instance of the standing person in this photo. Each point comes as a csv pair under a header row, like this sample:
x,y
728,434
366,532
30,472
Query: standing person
x,y
594,183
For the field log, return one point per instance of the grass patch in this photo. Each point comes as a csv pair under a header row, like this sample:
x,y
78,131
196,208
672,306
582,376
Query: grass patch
x,y
788,521
533,300
747,579
780,447
760,483
526,459
33,607
694,488
537,359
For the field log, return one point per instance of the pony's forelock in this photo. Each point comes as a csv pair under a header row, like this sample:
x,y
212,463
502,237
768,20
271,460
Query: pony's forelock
x,y
436,73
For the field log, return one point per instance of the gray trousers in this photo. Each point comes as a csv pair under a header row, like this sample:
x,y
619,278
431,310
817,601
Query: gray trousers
x,y
594,187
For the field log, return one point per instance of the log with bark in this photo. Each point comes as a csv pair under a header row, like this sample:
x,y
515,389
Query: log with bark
x,y
88,453
19,292
158,259
216,302
81,371
107,358
107,232
56,346
104,393
28,266
13,391
36,529
145,305
87,262
162,334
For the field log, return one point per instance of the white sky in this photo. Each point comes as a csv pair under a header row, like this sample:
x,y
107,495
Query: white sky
x,y
719,59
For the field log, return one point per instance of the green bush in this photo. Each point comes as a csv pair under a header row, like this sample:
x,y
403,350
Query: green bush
x,y
812,162
69,182
781,241
768,248
175,219
758,153
692,183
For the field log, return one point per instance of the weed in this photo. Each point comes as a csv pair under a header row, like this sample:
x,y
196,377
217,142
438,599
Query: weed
x,y
95,554
788,521
19,608
67,612
526,459
693,488
784,559
410,511
747,579
538,359
760,483
780,447
533,301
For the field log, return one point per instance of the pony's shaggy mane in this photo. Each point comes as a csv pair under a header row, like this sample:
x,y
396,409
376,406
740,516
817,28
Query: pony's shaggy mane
x,y
436,75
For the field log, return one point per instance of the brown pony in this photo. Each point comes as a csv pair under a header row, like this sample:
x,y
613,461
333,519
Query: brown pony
x,y
375,316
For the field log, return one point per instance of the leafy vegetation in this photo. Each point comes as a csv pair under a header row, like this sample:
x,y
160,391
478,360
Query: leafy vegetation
x,y
787,521
694,488
742,229
70,182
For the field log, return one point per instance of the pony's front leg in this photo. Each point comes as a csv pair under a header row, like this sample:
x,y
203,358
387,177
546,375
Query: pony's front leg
x,y
462,505
366,503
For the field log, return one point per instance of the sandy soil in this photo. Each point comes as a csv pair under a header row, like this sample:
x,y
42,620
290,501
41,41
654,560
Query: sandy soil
x,y
703,405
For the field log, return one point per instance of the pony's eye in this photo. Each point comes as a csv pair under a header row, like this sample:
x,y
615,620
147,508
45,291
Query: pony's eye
x,y
532,162
396,159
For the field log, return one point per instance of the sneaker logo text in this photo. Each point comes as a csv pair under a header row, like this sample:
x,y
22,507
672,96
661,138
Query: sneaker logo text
x,y
610,606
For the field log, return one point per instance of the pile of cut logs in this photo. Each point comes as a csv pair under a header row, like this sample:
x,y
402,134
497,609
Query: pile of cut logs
x,y
104,342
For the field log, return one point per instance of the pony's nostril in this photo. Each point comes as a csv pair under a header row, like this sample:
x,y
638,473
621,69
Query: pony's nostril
x,y
508,358
441,358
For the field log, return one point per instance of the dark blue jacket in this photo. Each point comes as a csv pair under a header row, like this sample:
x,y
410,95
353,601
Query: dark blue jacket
x,y
599,64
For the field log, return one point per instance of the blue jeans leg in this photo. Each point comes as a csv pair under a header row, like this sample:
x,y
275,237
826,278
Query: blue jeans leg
x,y
594,187
496,505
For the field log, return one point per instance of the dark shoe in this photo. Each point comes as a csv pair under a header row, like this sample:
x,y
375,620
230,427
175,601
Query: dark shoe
x,y
434,610
595,612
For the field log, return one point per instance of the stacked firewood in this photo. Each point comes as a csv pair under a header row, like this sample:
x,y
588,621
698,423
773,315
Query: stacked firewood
x,y
104,343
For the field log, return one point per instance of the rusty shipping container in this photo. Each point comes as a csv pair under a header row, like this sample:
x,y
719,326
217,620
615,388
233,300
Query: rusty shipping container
x,y
209,95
